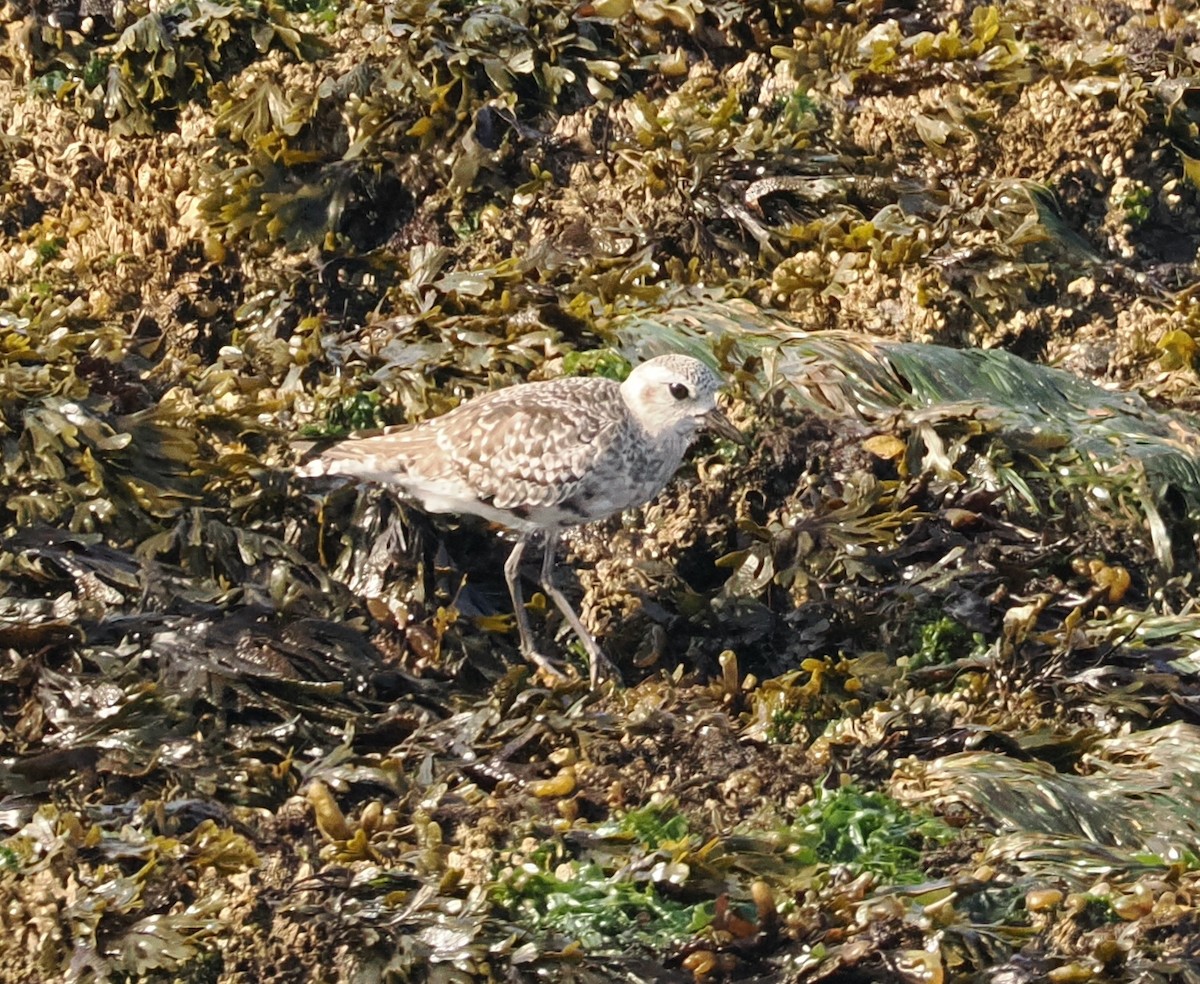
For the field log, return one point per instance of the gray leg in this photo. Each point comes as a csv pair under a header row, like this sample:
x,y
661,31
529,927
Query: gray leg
x,y
598,664
512,577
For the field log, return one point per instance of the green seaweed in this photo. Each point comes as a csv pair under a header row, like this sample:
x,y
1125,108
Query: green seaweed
x,y
864,831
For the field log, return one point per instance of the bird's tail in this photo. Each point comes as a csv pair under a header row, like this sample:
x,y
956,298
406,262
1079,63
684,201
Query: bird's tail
x,y
336,459
377,457
311,464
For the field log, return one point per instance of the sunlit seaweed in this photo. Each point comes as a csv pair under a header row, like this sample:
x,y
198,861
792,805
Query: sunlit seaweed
x,y
912,674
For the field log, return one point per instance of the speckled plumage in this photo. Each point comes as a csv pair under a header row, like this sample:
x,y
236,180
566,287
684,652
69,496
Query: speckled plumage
x,y
542,456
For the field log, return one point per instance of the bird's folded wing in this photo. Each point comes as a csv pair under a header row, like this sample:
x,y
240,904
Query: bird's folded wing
x,y
527,453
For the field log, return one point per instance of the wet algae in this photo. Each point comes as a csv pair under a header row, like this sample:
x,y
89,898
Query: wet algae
x,y
913,679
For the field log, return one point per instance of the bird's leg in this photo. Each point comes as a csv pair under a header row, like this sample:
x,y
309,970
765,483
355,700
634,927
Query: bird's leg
x,y
512,577
598,663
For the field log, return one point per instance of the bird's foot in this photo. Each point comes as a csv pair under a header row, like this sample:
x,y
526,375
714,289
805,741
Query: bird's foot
x,y
551,668
601,668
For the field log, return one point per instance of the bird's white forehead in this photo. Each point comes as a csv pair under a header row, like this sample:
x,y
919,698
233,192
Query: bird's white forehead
x,y
683,368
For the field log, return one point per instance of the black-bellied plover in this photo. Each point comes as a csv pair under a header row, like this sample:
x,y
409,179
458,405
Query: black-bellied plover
x,y
539,457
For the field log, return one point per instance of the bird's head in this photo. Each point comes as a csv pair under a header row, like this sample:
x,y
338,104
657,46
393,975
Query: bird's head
x,y
676,394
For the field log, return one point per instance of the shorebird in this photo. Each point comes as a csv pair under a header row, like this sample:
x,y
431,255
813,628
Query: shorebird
x,y
540,457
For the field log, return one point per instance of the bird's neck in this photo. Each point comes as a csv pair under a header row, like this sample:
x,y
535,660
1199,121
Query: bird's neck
x,y
670,440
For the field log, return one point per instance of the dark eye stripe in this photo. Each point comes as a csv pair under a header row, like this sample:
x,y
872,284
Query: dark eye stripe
x,y
679,391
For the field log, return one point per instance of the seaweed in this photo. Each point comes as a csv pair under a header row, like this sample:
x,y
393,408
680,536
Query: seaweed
x,y
912,674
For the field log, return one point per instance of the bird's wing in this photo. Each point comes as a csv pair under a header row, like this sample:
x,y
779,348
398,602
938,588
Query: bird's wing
x,y
525,446
531,448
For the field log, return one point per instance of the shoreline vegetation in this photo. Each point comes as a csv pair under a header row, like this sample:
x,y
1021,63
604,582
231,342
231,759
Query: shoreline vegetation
x,y
913,682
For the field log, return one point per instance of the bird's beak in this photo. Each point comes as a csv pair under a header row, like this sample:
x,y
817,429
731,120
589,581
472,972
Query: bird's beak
x,y
719,424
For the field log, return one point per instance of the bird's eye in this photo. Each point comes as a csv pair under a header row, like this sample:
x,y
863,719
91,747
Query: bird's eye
x,y
679,391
